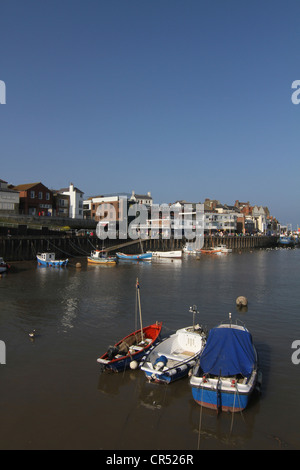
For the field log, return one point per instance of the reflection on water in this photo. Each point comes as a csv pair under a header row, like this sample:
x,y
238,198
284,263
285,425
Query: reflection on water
x,y
54,396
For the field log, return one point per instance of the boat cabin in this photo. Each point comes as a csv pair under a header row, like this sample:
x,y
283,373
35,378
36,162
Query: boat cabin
x,y
47,256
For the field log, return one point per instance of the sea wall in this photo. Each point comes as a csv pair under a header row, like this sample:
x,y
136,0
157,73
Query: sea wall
x,y
21,248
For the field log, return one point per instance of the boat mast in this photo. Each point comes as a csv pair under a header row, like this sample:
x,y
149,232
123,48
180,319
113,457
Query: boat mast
x,y
140,310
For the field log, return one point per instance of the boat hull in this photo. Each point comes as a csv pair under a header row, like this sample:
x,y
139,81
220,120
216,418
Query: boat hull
x,y
54,263
226,373
136,257
173,374
221,399
171,360
123,362
104,261
167,254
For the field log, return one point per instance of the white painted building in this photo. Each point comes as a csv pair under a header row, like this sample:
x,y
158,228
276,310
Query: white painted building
x,y
9,199
76,201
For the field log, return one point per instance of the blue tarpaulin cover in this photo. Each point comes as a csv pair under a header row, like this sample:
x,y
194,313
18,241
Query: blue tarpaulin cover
x,y
228,351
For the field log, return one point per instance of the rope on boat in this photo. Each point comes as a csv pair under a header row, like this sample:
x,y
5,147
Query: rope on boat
x,y
200,419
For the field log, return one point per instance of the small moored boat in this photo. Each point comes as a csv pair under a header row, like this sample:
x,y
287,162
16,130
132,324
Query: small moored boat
x,y
222,249
210,251
3,266
227,371
129,351
167,254
48,259
135,257
99,257
285,240
173,358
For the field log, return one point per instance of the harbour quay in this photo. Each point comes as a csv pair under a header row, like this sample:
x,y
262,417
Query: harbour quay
x,y
25,247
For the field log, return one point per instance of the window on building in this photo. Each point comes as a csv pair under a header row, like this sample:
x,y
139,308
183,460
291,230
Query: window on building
x,y
32,194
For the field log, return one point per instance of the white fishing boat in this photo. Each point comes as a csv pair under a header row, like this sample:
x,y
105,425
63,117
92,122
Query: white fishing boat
x,y
167,254
173,358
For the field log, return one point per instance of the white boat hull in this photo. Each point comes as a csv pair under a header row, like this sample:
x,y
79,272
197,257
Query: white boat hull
x,y
172,359
167,254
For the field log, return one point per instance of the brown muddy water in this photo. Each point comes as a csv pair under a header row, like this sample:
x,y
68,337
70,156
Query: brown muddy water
x,y
54,396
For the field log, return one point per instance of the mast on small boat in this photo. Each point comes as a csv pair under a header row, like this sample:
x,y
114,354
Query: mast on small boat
x,y
194,310
140,310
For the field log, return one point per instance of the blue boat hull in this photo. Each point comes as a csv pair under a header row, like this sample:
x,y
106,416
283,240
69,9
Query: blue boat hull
x,y
138,257
286,241
220,400
55,264
172,375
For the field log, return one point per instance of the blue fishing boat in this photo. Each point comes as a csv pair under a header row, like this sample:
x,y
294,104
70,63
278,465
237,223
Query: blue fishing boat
x,y
136,257
48,259
227,372
285,240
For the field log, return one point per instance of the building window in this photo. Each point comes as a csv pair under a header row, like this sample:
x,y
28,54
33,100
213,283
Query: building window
x,y
40,195
47,196
32,194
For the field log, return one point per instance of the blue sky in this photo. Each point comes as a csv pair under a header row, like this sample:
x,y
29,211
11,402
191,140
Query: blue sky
x,y
187,99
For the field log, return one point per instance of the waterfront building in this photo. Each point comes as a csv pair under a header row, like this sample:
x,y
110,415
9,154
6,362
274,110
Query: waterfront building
x,y
35,199
76,201
61,204
9,199
145,199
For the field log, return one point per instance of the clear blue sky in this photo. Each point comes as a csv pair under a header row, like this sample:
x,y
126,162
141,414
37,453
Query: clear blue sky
x,y
187,99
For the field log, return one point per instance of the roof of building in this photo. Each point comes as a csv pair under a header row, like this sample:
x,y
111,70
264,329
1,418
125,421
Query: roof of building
x,y
25,187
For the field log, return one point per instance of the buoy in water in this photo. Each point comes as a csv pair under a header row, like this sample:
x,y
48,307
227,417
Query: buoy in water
x,y
241,301
134,365
78,265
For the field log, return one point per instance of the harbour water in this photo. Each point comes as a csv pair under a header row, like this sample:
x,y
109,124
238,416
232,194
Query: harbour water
x,y
54,396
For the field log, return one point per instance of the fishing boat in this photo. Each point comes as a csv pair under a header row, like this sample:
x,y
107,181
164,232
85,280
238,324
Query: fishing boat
x,y
227,372
285,240
189,250
167,254
48,259
3,266
193,248
173,357
136,257
100,257
222,249
211,251
129,351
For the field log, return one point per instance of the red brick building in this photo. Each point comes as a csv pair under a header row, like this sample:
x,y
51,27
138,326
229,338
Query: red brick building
x,y
35,199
